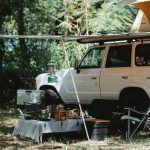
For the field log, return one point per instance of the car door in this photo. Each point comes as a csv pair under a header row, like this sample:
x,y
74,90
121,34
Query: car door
x,y
116,73
140,73
87,75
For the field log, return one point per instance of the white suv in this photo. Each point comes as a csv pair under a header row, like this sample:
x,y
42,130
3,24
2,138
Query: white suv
x,y
115,72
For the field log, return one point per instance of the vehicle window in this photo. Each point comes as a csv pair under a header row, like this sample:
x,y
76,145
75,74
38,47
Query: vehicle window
x,y
142,55
119,56
93,58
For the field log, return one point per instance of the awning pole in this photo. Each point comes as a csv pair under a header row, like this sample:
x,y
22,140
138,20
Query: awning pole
x,y
77,96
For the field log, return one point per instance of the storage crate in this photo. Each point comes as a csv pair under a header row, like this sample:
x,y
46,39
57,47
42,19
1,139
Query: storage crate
x,y
29,96
97,128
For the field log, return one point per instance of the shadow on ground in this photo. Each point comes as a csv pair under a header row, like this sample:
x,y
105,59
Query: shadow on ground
x,y
65,138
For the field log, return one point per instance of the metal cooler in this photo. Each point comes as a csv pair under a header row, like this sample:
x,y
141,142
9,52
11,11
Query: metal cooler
x,y
29,96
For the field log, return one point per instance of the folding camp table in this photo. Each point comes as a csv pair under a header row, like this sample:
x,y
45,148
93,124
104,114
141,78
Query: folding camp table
x,y
34,129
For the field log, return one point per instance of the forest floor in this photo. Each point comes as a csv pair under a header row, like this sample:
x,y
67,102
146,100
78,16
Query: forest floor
x,y
67,141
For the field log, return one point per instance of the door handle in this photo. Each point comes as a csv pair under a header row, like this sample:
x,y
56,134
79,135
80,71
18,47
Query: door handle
x,y
93,78
124,77
147,77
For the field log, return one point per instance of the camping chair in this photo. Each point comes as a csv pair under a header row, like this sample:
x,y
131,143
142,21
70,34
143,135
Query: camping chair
x,y
141,120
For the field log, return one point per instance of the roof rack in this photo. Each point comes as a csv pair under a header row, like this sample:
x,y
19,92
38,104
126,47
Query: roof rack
x,y
114,37
86,39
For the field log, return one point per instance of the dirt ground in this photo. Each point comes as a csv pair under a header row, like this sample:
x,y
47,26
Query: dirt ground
x,y
71,141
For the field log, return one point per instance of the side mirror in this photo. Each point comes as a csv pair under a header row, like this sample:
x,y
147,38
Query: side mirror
x,y
76,66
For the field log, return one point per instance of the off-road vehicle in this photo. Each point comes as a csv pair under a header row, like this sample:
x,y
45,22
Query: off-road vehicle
x,y
115,71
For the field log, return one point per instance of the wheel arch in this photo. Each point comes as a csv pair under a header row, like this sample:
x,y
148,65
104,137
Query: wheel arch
x,y
131,89
134,97
49,87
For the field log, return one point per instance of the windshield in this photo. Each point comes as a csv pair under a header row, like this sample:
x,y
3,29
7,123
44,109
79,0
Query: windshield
x,y
93,58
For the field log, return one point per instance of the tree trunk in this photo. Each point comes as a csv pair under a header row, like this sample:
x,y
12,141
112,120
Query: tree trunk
x,y
1,69
24,64
2,52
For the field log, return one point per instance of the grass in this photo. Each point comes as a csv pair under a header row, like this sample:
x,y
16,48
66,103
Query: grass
x,y
69,141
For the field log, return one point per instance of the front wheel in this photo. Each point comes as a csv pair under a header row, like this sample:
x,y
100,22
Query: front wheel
x,y
52,98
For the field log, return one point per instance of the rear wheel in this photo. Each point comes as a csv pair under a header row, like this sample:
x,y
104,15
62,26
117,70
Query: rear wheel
x,y
135,99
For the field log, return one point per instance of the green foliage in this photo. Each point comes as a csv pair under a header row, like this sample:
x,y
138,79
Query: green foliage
x,y
112,18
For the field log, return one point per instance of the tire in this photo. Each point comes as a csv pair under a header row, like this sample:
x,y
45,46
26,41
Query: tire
x,y
138,100
51,98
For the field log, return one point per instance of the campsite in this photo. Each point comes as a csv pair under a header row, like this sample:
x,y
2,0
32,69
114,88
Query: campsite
x,y
67,142
75,74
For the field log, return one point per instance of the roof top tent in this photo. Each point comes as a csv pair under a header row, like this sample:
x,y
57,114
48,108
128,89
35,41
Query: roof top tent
x,y
142,21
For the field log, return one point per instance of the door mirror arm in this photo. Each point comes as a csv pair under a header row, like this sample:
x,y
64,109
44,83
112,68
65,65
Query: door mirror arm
x,y
77,67
78,70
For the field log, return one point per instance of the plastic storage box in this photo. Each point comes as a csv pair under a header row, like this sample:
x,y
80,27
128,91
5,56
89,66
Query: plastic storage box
x,y
29,96
97,128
